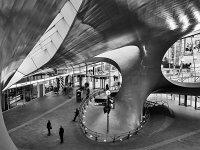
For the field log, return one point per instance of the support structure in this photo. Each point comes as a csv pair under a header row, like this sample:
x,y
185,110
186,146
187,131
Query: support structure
x,y
132,94
185,100
195,102
7,99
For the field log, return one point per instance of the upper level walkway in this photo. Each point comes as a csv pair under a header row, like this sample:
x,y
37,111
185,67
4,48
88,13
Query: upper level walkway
x,y
27,128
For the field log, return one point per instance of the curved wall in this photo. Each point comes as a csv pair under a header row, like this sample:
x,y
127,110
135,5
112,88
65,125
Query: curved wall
x,y
131,96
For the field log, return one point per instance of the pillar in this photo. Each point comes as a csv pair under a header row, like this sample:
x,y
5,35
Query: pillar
x,y
40,89
80,80
174,69
72,77
24,95
86,72
134,88
73,80
101,80
185,100
109,81
8,100
3,101
195,102
94,78
104,83
43,87
190,100
31,92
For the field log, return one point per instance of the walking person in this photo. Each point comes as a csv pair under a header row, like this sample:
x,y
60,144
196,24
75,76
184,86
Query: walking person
x,y
49,127
87,92
61,134
107,87
76,114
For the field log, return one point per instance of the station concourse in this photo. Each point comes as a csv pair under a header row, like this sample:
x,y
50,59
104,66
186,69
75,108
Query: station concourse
x,y
59,56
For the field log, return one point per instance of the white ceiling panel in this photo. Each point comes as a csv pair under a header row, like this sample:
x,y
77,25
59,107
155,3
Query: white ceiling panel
x,y
49,43
27,66
69,13
62,28
48,34
57,19
56,39
76,3
51,48
41,58
17,76
44,43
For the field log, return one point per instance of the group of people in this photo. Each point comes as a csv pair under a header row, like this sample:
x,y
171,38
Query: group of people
x,y
190,47
61,129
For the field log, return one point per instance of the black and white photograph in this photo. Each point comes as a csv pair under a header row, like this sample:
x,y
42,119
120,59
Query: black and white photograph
x,y
100,74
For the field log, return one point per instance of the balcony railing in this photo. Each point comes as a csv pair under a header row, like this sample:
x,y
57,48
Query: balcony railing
x,y
100,137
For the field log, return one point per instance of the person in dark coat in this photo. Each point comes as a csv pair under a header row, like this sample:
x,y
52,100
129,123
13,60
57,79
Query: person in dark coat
x,y
87,92
76,114
49,127
107,87
61,134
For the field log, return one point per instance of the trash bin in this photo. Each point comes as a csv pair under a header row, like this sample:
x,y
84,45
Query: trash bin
x,y
78,96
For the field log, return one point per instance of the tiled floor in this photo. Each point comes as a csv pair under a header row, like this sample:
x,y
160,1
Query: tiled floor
x,y
21,114
161,133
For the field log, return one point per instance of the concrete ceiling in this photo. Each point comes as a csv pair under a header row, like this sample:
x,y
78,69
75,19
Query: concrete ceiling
x,y
106,25
153,26
103,25
21,26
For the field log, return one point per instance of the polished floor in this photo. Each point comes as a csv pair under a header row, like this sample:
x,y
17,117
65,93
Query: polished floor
x,y
27,128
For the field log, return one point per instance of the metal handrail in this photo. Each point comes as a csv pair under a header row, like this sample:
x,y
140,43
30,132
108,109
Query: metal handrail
x,y
184,78
100,137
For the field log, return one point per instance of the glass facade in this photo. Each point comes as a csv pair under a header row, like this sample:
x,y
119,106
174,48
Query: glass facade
x,y
36,85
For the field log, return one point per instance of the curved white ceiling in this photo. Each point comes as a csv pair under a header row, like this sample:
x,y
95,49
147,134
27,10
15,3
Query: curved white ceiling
x,y
49,43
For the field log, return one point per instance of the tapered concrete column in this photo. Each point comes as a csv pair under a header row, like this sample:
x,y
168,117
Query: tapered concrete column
x,y
133,93
138,81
